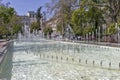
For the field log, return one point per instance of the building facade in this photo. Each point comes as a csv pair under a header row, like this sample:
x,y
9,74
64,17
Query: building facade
x,y
27,20
32,16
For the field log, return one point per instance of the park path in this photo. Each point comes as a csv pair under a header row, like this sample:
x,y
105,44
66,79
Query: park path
x,y
2,43
3,49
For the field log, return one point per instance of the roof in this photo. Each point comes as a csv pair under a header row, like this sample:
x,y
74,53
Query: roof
x,y
31,12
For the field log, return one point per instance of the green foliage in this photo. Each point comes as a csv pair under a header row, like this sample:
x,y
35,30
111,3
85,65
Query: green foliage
x,y
95,16
6,14
15,25
59,28
4,32
16,29
34,26
87,15
119,24
10,23
63,10
111,29
78,20
88,29
47,31
77,30
39,16
78,17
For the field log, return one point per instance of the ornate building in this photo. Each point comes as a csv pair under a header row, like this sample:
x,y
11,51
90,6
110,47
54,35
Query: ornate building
x,y
32,16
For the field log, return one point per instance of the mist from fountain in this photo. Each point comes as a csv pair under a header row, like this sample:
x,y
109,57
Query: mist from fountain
x,y
28,36
69,33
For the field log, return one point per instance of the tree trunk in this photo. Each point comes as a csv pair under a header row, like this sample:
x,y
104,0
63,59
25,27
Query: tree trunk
x,y
0,36
114,19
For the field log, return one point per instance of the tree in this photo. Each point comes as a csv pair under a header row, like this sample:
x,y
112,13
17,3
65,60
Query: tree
x,y
110,7
95,17
10,23
59,27
88,30
16,29
39,16
34,26
15,25
4,30
6,14
79,20
113,9
111,29
91,15
48,31
63,10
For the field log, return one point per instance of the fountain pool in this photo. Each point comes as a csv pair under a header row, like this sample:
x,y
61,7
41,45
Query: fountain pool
x,y
57,60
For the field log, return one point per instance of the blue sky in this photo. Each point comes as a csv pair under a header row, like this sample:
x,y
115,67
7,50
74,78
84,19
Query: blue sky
x,y
23,6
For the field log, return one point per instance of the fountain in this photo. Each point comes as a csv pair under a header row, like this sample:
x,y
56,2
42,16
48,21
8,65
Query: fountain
x,y
51,60
69,33
33,58
27,36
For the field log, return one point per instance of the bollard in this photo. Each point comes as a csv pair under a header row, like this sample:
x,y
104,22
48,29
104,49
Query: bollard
x,y
62,49
101,63
93,62
86,61
73,59
36,54
74,49
27,51
44,55
79,60
119,65
47,56
52,56
61,58
67,48
67,58
78,48
109,64
57,57
40,55
59,48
